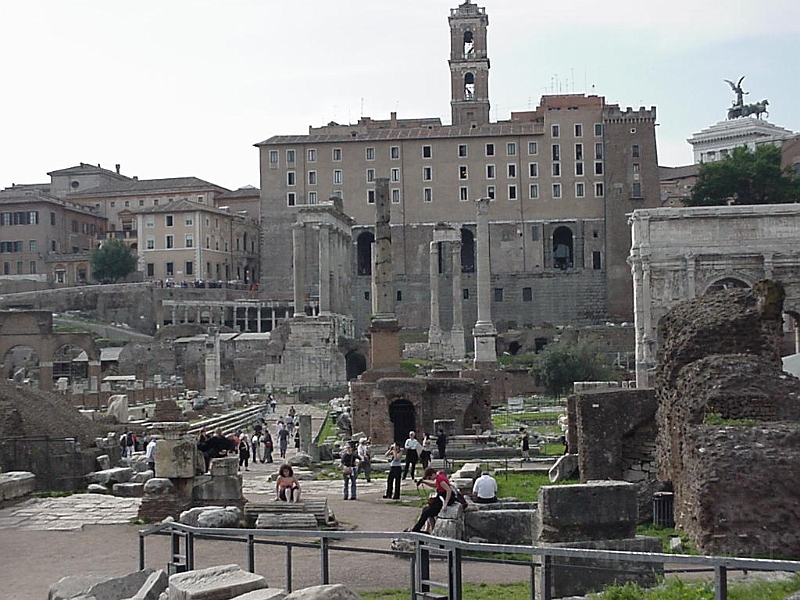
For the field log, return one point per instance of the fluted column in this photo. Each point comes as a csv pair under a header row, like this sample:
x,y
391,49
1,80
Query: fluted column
x,y
435,330
457,332
324,269
484,333
298,266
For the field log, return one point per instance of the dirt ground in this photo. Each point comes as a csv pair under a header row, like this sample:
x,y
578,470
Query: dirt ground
x,y
33,560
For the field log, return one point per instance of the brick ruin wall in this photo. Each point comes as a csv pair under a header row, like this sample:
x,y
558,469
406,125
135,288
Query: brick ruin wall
x,y
721,363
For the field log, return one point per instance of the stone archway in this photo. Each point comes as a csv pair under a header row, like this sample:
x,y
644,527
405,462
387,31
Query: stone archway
x,y
403,416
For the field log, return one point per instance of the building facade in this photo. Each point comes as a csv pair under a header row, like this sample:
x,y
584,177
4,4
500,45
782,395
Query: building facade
x,y
561,178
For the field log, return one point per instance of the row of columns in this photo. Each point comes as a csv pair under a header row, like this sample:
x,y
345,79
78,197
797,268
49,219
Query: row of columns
x,y
221,314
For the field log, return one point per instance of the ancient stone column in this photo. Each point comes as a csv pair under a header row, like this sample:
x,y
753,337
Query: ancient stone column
x,y
305,433
435,330
298,267
457,332
484,333
324,269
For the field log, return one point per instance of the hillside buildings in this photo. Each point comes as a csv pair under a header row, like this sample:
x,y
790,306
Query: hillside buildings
x,y
562,179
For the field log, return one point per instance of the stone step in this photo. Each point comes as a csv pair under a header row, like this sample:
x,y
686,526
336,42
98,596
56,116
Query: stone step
x,y
286,521
316,507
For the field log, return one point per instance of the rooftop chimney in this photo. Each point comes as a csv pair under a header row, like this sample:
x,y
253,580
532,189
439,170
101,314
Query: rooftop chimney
x,y
117,166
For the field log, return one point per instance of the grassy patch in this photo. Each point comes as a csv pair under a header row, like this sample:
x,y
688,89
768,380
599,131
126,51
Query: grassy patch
x,y
675,589
473,591
666,534
524,486
717,420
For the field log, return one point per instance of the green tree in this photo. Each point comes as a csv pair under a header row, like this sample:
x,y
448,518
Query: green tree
x,y
559,365
745,177
112,261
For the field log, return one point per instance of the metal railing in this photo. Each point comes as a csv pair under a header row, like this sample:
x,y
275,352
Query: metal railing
x,y
540,560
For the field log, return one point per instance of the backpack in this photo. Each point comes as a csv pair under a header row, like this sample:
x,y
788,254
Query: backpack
x,y
131,440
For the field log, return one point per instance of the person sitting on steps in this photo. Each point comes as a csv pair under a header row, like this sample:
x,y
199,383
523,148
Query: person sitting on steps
x,y
287,487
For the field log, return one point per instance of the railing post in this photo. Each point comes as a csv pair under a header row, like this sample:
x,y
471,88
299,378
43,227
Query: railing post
x,y
251,553
190,551
720,582
141,552
546,578
289,568
412,581
324,560
454,573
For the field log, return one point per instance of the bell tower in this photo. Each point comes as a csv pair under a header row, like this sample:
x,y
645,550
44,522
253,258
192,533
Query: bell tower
x,y
469,65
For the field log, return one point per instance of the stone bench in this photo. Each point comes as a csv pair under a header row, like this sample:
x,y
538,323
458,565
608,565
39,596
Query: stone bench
x,y
286,521
314,506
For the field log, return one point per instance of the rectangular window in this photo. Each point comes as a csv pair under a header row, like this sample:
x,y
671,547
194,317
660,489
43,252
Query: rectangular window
x,y
291,199
498,294
598,190
338,194
463,193
490,192
427,194
556,152
189,241
290,156
273,157
395,196
369,153
394,174
312,178
533,169
312,197
149,221
489,171
462,172
312,155
578,151
535,233
489,149
462,150
189,267
512,170
32,246
188,220
169,220
635,167
169,242
635,151
370,175
556,190
533,191
578,130
337,176
579,168
598,151
32,267
427,152
370,196
141,202
336,154
394,152
151,270
556,169
511,148
150,242
427,173
598,129
527,294
598,168
291,178
169,269
533,148
555,130
512,192
580,189
637,189
596,260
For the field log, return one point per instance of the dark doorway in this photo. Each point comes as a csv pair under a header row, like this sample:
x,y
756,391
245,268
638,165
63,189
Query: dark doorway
x,y
403,416
355,364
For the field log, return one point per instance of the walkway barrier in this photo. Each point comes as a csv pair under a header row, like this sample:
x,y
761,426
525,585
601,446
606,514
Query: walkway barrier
x,y
423,550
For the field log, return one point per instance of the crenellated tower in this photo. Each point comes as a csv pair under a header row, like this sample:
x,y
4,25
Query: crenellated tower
x,y
469,65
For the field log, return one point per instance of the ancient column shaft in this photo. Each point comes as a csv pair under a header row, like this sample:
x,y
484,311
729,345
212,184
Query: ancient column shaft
x,y
484,332
324,269
435,331
457,332
383,301
298,267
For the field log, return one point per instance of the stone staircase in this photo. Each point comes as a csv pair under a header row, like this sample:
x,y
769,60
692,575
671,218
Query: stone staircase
x,y
310,513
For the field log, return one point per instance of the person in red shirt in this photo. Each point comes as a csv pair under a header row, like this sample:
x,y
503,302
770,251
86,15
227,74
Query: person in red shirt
x,y
445,496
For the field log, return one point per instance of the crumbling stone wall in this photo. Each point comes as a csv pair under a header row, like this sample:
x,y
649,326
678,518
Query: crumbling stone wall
x,y
736,489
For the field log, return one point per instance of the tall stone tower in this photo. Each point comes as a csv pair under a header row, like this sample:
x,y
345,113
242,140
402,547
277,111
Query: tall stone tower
x,y
469,65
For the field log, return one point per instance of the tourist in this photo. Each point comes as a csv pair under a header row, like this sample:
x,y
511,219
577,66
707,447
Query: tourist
x,y
412,447
441,443
445,496
287,487
244,452
484,490
283,440
150,454
395,454
524,444
425,452
272,403
365,456
350,464
266,439
202,446
297,439
218,445
255,444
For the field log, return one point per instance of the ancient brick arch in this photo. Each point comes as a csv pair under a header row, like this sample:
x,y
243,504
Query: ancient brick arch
x,y
35,329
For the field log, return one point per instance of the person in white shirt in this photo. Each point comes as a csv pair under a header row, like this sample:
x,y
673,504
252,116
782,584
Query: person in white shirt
x,y
412,447
150,454
484,490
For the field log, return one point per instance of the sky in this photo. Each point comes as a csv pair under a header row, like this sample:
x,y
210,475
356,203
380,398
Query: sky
x,y
170,88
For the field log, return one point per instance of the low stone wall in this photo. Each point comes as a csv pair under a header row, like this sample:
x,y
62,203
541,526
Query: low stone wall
x,y
16,484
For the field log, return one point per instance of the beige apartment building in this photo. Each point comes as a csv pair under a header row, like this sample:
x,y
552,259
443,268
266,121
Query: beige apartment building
x,y
562,179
